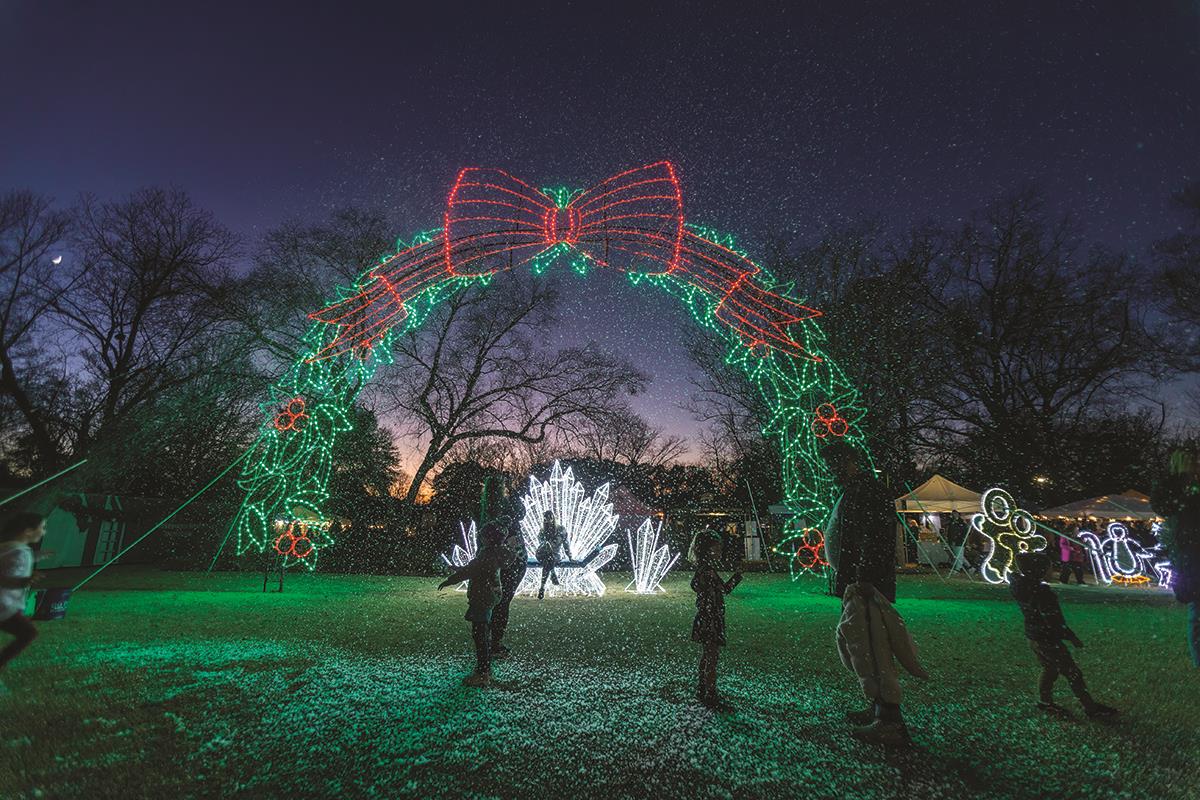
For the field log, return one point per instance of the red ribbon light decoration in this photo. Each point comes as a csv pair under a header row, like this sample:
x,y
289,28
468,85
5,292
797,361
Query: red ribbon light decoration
x,y
634,220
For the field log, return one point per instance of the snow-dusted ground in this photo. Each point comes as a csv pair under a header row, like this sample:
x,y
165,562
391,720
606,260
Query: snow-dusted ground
x,y
167,684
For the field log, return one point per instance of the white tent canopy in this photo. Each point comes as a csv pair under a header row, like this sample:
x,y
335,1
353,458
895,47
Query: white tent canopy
x,y
1128,505
938,495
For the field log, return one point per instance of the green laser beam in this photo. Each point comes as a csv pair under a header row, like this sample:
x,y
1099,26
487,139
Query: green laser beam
x,y
165,519
42,482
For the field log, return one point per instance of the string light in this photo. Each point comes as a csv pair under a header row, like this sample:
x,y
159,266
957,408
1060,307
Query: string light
x,y
828,422
632,222
1120,559
807,552
460,556
292,416
1009,530
651,562
298,544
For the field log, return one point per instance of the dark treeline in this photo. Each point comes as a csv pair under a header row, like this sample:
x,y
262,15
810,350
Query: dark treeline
x,y
141,334
1003,350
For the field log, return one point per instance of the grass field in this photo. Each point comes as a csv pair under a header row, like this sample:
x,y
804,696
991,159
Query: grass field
x,y
179,685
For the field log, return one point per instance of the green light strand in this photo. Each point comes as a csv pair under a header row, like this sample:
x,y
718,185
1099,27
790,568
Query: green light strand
x,y
58,474
165,519
286,480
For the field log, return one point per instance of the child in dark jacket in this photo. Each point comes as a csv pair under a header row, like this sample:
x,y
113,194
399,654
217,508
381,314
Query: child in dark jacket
x,y
708,628
483,592
1046,630
512,572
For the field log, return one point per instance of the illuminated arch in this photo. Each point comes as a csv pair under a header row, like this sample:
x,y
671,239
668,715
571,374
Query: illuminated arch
x,y
632,222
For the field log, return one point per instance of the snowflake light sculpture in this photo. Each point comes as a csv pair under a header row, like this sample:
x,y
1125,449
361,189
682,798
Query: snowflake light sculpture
x,y
461,556
1120,559
1009,530
651,562
589,523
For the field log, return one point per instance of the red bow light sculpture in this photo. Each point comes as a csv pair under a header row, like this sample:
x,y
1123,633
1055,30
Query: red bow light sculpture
x,y
631,222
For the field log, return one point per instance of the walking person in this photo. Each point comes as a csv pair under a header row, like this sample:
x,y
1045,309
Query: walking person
x,y
708,627
956,537
512,571
549,552
1071,554
864,532
18,533
1179,498
483,592
1046,630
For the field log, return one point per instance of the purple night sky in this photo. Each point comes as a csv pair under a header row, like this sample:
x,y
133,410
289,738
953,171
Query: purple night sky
x,y
780,122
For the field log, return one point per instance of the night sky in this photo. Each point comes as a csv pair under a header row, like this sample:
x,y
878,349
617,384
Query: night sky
x,y
781,120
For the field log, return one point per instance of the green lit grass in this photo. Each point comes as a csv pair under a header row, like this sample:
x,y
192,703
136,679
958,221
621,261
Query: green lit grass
x,y
178,685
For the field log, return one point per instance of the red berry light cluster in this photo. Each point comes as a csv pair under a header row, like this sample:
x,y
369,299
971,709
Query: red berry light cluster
x,y
295,541
292,417
827,421
810,550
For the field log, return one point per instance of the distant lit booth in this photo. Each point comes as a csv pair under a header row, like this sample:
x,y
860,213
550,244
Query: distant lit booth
x,y
923,517
1120,534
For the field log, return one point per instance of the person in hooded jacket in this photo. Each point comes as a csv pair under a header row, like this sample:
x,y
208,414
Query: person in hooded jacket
x,y
1046,629
708,626
512,572
1179,498
483,592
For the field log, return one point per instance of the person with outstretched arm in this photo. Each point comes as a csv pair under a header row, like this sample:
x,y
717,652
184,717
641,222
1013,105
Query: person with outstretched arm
x,y
1179,498
483,592
512,572
708,627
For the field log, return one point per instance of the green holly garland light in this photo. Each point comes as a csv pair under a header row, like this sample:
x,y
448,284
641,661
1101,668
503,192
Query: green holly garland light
x,y
767,333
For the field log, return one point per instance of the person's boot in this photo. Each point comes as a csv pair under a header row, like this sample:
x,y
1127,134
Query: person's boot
x,y
887,729
864,717
1096,710
1052,708
542,592
881,732
479,680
